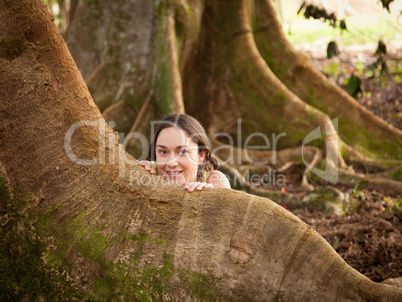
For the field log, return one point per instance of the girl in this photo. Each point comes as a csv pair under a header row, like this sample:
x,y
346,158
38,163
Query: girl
x,y
179,153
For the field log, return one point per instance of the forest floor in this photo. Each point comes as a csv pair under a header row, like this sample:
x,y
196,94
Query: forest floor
x,y
370,239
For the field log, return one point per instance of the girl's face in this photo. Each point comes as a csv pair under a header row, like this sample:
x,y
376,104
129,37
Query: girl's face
x,y
177,156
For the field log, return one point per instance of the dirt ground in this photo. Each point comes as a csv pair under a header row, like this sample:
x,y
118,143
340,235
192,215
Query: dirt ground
x,y
370,239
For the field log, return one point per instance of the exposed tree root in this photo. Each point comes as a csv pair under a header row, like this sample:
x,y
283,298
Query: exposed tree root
x,y
232,156
298,74
290,200
245,51
244,40
315,161
340,194
116,235
286,166
369,181
371,163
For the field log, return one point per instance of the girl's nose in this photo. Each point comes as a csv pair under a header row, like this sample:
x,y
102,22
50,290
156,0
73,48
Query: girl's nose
x,y
172,162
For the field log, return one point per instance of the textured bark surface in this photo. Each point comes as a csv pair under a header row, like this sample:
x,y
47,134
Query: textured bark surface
x,y
210,59
220,61
358,127
114,234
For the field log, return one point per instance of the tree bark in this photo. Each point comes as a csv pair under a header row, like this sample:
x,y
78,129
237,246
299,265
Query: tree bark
x,y
119,233
210,59
358,127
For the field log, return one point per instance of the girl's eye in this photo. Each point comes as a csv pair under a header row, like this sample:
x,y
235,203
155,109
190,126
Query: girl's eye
x,y
182,151
163,152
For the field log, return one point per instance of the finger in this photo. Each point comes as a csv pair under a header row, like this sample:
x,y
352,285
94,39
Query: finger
x,y
152,171
200,186
192,186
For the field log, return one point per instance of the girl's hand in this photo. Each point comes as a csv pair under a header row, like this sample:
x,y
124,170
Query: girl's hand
x,y
147,165
191,186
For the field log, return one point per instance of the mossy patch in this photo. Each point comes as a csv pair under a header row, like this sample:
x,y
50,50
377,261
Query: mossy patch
x,y
162,79
33,265
202,287
367,144
323,200
25,275
279,297
396,174
135,281
206,287
11,48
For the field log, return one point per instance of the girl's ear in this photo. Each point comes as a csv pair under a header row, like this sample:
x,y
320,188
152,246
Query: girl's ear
x,y
202,156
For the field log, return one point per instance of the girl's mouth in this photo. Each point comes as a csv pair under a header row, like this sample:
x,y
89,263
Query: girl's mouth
x,y
173,173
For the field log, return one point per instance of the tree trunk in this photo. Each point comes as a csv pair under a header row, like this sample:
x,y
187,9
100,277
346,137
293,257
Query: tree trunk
x,y
105,230
359,127
221,61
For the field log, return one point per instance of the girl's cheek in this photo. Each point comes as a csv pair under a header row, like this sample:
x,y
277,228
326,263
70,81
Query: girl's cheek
x,y
160,163
192,160
187,161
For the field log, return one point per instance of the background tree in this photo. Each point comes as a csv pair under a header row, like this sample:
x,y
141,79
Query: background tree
x,y
221,61
94,232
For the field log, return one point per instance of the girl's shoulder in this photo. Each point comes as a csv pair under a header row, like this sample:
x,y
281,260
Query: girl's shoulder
x,y
218,179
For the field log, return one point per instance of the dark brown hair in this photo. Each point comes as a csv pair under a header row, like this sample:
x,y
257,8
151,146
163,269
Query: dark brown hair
x,y
197,134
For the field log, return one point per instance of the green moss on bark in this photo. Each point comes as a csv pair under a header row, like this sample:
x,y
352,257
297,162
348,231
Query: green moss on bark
x,y
202,287
25,271
162,78
11,48
397,174
369,145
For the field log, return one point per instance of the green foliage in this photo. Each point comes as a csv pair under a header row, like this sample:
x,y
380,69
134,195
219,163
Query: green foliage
x,y
351,203
332,69
56,11
381,48
358,192
323,199
380,64
386,3
312,11
360,30
332,49
354,85
392,205
360,67
395,69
